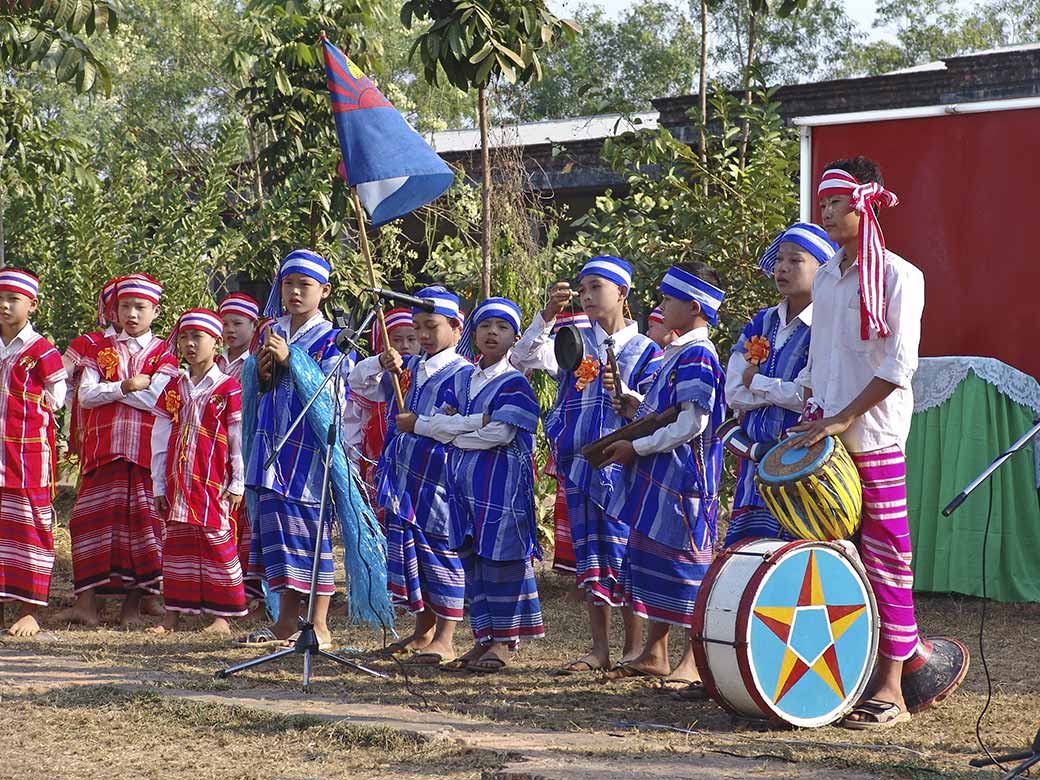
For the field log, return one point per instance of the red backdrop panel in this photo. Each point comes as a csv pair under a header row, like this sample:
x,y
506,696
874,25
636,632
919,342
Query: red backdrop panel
x,y
969,218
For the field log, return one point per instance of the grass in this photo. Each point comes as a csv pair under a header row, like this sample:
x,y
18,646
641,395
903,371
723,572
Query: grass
x,y
167,735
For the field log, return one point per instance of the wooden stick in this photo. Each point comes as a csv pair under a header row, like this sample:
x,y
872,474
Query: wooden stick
x,y
359,210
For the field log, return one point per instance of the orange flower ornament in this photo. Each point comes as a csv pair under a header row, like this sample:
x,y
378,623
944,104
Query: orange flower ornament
x,y
108,362
586,373
405,380
756,351
173,404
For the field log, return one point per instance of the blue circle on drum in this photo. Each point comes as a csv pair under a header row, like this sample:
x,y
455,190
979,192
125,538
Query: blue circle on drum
x,y
793,455
811,637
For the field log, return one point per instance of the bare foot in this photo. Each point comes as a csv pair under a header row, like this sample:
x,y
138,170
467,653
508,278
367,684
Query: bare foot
x,y
445,649
79,614
408,644
25,626
168,625
573,596
496,657
284,629
130,616
152,605
219,627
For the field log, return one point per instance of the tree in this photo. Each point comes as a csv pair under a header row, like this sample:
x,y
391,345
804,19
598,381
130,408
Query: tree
x,y
49,31
474,41
613,66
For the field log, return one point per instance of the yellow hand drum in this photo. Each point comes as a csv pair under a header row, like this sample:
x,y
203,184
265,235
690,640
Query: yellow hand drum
x,y
814,492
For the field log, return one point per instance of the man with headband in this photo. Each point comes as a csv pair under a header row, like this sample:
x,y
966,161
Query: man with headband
x,y
867,306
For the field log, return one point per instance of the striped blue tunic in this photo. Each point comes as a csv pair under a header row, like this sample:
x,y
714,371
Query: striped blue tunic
x,y
580,417
298,471
492,491
672,497
412,479
766,423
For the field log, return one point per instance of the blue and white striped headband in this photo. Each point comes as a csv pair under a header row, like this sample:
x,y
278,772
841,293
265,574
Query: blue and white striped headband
x,y
812,238
611,268
684,286
445,303
503,308
299,261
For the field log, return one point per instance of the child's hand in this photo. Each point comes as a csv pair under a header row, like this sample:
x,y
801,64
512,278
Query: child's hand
x,y
749,375
391,361
620,452
162,506
817,430
135,383
234,501
627,407
264,366
559,296
278,348
449,409
406,422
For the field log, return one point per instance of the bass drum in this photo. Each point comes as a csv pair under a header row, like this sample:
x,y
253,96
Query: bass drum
x,y
786,631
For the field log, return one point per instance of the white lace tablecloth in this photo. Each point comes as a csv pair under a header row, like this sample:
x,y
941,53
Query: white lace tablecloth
x,y
937,378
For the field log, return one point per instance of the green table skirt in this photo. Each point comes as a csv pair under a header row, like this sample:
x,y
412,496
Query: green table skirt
x,y
948,446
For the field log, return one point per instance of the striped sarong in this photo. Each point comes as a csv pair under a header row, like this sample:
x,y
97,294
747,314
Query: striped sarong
x,y
661,583
422,572
244,543
26,544
202,572
751,522
283,550
563,546
116,533
885,550
599,546
503,599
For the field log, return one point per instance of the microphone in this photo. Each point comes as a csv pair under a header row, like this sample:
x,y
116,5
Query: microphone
x,y
346,338
425,304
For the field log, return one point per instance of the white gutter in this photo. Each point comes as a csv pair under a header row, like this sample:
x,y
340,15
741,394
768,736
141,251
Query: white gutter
x,y
1015,104
805,198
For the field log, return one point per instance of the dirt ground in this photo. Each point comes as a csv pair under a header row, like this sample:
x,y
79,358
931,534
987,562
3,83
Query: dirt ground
x,y
79,730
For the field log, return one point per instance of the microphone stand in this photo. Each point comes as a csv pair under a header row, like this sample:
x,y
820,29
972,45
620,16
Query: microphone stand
x,y
1031,756
307,644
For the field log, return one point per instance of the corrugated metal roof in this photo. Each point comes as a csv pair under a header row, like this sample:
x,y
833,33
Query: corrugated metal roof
x,y
555,131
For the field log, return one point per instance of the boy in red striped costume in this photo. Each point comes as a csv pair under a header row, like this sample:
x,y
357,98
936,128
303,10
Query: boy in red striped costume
x,y
33,381
197,478
116,534
240,315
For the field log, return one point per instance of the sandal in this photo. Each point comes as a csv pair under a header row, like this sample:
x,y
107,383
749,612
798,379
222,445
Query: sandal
x,y
624,670
673,685
456,665
695,691
578,666
875,714
426,659
261,636
488,665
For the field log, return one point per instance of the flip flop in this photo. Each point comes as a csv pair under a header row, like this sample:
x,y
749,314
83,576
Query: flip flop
x,y
425,659
623,671
878,715
695,691
456,665
572,667
673,685
394,648
261,636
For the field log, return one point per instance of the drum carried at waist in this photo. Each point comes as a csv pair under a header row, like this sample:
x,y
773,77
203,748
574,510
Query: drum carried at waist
x,y
786,631
814,492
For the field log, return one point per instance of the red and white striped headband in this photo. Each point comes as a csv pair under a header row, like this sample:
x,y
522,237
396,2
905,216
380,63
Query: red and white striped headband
x,y
201,319
656,316
398,318
139,286
862,199
106,310
240,303
22,282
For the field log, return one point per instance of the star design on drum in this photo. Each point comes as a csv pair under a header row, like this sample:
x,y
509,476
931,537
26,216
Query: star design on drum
x,y
809,631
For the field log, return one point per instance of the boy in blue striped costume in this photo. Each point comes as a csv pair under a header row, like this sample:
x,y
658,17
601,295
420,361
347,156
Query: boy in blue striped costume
x,y
763,390
290,490
425,575
668,492
583,413
491,488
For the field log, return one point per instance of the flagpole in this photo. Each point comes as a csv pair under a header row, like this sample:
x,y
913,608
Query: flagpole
x,y
367,252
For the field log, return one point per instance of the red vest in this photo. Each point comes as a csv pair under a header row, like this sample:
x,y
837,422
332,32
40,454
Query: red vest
x,y
198,459
76,354
118,431
26,422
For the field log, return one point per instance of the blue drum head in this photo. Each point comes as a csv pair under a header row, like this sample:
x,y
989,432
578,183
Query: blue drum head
x,y
790,460
812,636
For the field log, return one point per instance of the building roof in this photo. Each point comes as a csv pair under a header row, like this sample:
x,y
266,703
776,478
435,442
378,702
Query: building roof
x,y
941,64
550,131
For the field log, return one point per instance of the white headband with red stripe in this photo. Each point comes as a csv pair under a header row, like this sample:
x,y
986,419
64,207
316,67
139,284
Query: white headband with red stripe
x,y
21,282
139,286
240,303
862,198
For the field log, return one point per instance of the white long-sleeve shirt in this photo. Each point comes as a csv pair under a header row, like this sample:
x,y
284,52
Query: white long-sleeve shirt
x,y
366,378
93,392
841,364
692,419
53,392
161,440
468,432
765,390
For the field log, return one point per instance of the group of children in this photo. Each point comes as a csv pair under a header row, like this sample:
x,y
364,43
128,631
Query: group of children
x,y
440,422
